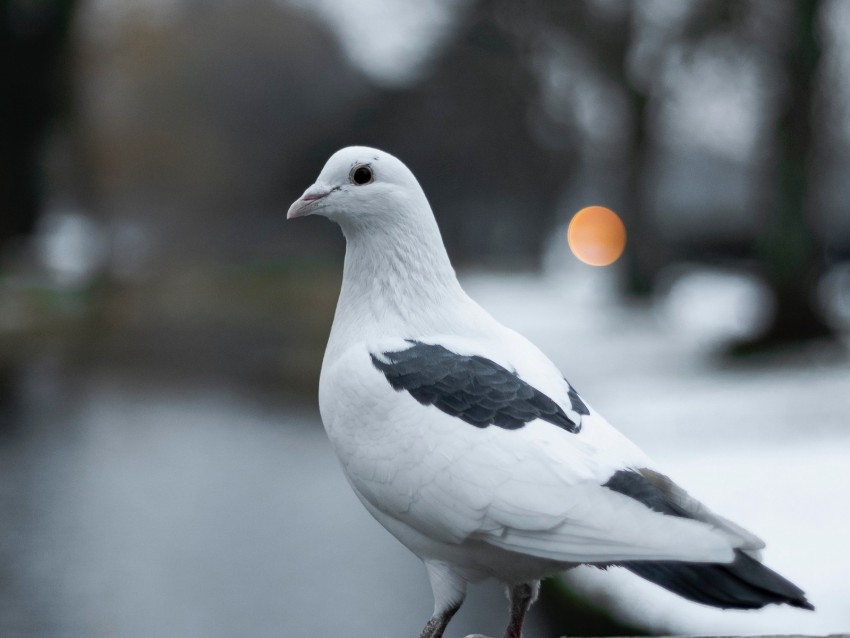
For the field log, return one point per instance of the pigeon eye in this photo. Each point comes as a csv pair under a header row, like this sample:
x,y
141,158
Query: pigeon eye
x,y
361,175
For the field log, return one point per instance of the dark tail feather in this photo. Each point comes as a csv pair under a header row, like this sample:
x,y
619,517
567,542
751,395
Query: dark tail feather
x,y
742,584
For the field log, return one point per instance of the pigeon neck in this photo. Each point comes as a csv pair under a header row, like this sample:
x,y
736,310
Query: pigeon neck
x,y
397,280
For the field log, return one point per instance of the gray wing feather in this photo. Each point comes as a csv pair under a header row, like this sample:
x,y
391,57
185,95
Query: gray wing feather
x,y
749,542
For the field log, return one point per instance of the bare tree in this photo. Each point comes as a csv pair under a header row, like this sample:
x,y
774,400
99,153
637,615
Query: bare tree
x,y
33,83
790,254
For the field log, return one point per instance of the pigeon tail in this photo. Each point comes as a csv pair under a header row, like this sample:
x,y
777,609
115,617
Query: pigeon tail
x,y
742,584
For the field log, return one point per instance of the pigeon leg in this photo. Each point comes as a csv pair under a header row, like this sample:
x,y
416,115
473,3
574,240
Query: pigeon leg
x,y
521,596
449,591
437,623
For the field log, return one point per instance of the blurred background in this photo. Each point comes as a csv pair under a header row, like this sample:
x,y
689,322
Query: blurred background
x,y
163,470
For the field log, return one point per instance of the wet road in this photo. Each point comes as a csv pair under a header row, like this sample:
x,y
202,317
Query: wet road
x,y
143,508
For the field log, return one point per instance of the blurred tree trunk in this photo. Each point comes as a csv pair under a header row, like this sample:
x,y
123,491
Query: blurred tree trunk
x,y
33,79
789,251
644,254
609,42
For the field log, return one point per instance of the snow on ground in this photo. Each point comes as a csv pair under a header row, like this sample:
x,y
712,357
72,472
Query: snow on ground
x,y
765,445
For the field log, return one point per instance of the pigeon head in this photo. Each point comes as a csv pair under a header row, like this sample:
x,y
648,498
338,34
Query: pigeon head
x,y
362,187
395,262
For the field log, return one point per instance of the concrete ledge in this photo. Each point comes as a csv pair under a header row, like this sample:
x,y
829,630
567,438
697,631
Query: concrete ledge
x,y
734,636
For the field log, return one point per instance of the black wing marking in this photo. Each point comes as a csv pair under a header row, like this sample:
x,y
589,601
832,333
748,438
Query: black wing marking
x,y
742,584
472,388
637,486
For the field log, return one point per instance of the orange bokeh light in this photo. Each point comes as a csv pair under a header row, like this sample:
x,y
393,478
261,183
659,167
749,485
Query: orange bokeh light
x,y
596,236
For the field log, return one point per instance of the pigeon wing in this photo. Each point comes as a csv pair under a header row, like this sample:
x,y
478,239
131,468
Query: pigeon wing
x,y
460,447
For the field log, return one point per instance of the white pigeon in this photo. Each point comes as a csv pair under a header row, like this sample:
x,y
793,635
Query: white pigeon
x,y
463,440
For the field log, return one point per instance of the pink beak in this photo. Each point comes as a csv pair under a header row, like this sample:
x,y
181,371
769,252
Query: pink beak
x,y
304,205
